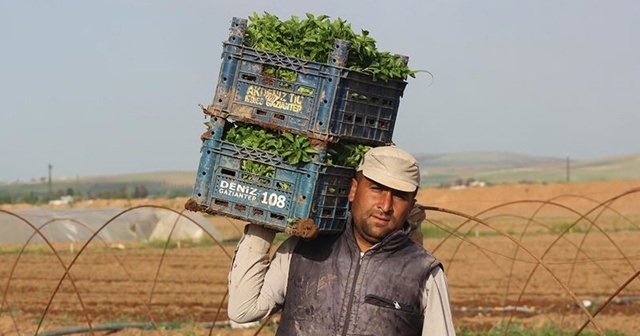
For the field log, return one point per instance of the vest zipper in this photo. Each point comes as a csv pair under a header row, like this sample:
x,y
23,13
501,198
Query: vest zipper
x,y
353,289
388,303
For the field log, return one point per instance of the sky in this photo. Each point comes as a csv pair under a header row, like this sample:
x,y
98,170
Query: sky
x,y
112,87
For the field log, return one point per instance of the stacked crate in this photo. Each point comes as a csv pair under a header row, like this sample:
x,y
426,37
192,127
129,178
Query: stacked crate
x,y
325,102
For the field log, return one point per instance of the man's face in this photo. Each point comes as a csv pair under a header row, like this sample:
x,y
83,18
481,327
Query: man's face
x,y
377,210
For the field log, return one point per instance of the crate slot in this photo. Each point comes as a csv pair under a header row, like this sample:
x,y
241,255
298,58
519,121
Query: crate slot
x,y
276,216
227,172
348,118
249,78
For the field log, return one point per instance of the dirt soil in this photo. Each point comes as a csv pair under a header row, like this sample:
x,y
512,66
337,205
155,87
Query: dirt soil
x,y
530,263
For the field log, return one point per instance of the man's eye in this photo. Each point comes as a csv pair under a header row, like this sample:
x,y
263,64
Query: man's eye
x,y
402,195
400,198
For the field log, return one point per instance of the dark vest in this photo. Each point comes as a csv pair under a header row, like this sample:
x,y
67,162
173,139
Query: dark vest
x,y
333,291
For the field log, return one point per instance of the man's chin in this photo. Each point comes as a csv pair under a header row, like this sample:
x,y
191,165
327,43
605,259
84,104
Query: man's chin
x,y
377,234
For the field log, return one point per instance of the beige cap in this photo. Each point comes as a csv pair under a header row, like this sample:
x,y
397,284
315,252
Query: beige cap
x,y
391,167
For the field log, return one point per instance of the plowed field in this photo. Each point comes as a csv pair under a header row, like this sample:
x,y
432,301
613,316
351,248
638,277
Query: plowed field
x,y
518,259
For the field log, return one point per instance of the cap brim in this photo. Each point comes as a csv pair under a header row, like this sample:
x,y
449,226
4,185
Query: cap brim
x,y
383,177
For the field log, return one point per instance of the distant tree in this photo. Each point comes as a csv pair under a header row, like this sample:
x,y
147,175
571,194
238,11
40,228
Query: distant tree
x,y
30,198
6,199
173,193
122,193
140,191
106,194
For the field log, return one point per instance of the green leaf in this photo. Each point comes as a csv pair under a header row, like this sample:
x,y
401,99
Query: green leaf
x,y
288,136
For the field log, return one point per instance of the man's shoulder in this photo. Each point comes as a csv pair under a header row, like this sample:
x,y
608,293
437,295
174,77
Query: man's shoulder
x,y
421,255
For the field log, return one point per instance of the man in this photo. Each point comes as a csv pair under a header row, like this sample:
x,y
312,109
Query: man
x,y
369,280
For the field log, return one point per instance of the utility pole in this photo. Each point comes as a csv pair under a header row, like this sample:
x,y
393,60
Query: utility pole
x,y
568,170
50,187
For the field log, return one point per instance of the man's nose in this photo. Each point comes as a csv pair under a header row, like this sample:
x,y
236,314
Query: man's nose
x,y
385,203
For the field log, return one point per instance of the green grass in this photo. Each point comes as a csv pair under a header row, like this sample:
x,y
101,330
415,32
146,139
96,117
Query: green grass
x,y
31,249
431,231
42,249
519,330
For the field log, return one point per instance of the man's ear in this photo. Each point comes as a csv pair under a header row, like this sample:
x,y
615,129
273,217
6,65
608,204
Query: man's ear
x,y
352,191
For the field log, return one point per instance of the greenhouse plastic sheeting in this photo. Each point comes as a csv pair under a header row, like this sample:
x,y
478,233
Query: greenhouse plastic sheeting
x,y
111,224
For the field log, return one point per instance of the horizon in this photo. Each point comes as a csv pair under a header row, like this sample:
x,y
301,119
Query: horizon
x,y
419,156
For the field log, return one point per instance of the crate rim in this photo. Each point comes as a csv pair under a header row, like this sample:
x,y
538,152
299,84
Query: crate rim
x,y
344,71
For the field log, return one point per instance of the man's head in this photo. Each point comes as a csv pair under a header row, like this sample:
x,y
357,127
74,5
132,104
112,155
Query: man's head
x,y
383,193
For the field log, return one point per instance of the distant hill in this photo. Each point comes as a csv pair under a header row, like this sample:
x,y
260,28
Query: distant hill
x,y
482,160
439,170
168,184
503,167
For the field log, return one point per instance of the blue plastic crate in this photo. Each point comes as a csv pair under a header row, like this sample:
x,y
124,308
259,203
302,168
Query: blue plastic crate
x,y
323,101
310,192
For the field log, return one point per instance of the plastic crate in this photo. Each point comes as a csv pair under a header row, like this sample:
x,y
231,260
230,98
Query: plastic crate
x,y
324,101
307,197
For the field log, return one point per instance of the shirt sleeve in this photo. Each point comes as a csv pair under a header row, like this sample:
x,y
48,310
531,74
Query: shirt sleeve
x,y
436,307
257,286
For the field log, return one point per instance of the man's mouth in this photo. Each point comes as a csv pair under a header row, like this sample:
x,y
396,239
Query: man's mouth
x,y
382,218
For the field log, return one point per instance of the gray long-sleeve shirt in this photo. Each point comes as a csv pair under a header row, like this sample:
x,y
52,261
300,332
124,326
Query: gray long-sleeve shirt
x,y
257,287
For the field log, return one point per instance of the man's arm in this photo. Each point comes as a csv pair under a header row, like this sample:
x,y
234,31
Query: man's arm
x,y
436,307
256,286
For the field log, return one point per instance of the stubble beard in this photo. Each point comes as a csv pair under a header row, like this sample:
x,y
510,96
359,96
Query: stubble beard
x,y
371,231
